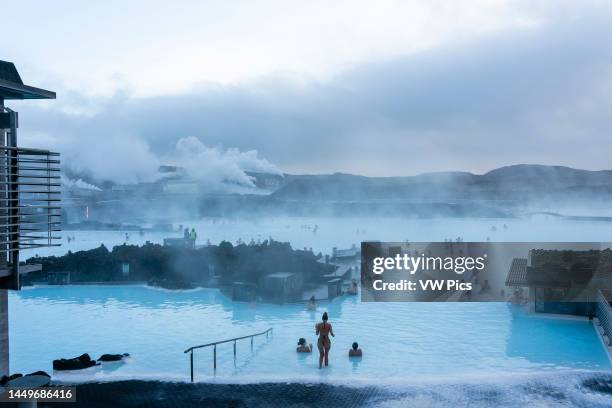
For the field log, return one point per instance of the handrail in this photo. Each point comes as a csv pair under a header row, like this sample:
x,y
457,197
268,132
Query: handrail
x,y
228,340
33,151
215,343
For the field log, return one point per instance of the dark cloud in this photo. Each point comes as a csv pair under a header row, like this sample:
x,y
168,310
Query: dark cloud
x,y
540,95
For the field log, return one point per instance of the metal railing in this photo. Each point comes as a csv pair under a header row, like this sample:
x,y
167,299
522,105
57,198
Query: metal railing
x,y
214,345
29,198
604,313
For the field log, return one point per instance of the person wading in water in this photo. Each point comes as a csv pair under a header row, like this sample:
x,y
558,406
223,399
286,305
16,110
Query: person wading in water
x,y
323,330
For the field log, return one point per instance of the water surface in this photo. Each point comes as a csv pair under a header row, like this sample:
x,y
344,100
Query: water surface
x,y
401,341
324,233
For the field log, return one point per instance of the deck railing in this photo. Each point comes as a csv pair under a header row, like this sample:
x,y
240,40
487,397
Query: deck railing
x,y
29,206
215,343
29,198
604,313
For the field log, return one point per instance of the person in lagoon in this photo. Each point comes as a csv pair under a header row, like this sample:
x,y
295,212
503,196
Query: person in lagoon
x,y
303,347
312,303
355,351
353,289
324,330
486,287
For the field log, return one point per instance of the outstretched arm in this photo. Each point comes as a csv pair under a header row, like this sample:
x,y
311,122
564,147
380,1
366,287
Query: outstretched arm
x,y
331,331
317,329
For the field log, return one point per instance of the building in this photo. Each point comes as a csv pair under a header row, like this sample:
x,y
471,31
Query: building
x,y
243,292
556,278
334,288
125,269
352,254
566,282
187,243
29,193
281,286
181,187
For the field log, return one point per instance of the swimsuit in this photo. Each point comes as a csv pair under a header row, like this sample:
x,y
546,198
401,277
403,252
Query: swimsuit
x,y
324,342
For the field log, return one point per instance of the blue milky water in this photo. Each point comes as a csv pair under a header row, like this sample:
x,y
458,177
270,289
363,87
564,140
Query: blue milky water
x,y
400,340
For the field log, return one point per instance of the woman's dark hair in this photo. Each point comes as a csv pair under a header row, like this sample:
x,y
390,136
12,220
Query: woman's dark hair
x,y
355,345
301,341
325,316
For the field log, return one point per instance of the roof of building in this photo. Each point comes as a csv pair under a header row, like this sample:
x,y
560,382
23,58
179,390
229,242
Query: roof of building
x,y
12,87
8,72
347,253
517,275
244,284
340,271
280,275
549,276
566,268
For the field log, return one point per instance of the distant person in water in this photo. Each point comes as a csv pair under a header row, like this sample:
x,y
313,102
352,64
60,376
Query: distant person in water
x,y
355,351
324,330
353,289
312,305
302,347
486,287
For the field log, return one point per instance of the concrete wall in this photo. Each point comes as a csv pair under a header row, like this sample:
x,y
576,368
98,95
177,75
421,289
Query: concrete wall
x,y
4,340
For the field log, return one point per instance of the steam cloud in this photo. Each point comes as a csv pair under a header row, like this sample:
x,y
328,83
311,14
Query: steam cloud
x,y
78,183
216,166
130,160
540,95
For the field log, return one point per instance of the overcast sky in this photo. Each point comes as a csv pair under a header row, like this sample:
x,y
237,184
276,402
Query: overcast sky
x,y
372,87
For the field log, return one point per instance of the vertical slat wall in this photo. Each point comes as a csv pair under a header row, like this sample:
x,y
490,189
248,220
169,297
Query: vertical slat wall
x,y
30,211
604,313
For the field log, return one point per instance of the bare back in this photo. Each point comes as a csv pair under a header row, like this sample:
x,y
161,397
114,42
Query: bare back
x,y
324,329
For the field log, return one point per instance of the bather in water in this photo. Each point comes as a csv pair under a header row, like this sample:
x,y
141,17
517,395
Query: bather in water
x,y
302,347
312,305
355,351
324,330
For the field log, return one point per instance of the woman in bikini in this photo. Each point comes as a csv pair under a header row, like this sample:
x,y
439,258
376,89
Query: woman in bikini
x,y
323,330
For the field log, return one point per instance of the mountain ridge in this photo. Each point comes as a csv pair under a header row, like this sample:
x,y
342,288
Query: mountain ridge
x,y
520,181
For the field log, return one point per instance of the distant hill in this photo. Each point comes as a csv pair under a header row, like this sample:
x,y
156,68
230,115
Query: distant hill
x,y
518,182
537,172
503,192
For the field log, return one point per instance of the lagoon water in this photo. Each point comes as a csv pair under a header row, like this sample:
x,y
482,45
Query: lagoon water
x,y
344,232
403,342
